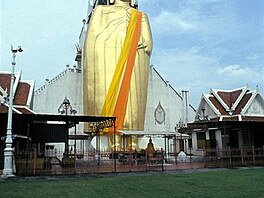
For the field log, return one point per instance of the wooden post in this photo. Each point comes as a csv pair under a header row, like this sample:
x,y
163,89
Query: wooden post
x,y
204,154
162,156
130,154
55,151
190,155
74,148
254,157
230,156
114,148
165,150
263,151
242,156
175,149
34,161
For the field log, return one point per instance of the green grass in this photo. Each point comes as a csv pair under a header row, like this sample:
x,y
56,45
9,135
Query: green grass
x,y
224,183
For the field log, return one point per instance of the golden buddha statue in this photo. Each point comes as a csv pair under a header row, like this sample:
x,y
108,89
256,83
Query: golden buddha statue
x,y
117,50
150,148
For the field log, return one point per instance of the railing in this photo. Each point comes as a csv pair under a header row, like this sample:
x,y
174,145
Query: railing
x,y
231,157
55,162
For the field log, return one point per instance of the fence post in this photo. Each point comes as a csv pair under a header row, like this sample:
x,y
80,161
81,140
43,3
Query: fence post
x,y
162,157
230,156
190,155
242,156
204,154
217,156
34,161
55,152
263,151
253,151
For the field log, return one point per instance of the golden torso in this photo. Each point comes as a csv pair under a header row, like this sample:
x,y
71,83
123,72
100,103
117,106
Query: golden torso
x,y
104,41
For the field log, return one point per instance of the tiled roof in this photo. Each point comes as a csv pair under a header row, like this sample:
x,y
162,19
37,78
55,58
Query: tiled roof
x,y
229,97
242,103
217,105
3,109
232,105
24,110
5,81
22,94
230,102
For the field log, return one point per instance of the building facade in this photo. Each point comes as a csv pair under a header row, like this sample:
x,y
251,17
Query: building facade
x,y
229,119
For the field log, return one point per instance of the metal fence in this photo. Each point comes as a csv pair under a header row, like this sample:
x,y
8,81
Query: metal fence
x,y
234,157
55,162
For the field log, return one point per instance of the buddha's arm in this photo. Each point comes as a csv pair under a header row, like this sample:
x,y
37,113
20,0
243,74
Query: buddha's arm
x,y
146,35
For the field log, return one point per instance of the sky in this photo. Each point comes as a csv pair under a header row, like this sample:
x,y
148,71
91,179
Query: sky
x,y
198,44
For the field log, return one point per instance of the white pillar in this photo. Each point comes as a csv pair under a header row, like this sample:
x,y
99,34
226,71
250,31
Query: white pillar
x,y
194,143
240,139
207,137
218,137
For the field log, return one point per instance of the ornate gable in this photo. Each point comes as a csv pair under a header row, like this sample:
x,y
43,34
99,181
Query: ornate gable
x,y
206,110
23,92
231,101
255,107
3,95
231,105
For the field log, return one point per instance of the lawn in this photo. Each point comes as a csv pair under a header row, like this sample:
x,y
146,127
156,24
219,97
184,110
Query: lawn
x,y
247,182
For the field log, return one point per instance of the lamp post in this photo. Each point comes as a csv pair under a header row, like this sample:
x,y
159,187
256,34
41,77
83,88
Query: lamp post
x,y
63,109
8,151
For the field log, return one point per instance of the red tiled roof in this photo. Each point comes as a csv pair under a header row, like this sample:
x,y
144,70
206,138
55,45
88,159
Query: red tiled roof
x,y
253,119
3,109
217,105
20,96
22,93
242,103
229,97
24,110
5,81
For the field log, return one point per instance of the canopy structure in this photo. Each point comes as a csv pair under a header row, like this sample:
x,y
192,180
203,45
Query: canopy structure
x,y
50,128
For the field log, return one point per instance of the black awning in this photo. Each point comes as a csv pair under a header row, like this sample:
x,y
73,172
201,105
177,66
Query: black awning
x,y
107,121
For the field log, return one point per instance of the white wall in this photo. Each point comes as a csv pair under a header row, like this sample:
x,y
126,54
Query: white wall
x,y
161,91
49,97
69,83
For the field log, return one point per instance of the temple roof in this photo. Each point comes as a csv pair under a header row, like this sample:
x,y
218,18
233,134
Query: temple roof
x,y
231,105
22,90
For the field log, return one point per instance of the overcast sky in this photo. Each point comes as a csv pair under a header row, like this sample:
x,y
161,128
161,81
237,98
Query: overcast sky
x,y
198,44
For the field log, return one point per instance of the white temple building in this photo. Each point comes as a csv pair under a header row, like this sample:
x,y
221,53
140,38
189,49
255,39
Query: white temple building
x,y
161,96
166,109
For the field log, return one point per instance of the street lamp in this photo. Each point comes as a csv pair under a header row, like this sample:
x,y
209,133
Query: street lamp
x,y
8,151
64,107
